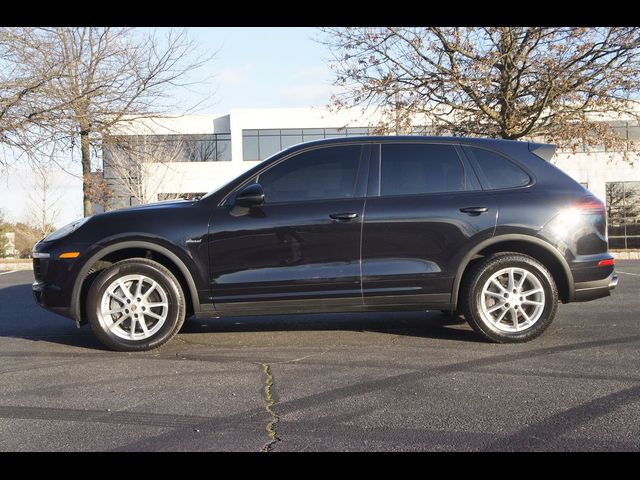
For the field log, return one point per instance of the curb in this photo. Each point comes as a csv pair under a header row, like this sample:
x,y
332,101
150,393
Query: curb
x,y
16,266
626,254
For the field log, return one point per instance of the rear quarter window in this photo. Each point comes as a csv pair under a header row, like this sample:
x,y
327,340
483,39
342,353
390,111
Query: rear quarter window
x,y
498,171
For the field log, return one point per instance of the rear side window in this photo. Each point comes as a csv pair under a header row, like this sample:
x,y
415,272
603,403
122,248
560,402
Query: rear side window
x,y
320,174
498,171
413,168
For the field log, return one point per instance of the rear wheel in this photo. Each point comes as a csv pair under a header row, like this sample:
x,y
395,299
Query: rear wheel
x,y
134,305
509,298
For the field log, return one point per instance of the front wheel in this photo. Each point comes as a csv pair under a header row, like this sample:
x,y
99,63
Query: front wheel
x,y
509,298
134,305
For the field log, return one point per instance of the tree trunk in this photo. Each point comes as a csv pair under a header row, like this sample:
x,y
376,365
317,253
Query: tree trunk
x,y
85,149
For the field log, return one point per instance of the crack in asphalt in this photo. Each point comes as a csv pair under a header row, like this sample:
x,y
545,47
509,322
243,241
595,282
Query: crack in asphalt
x,y
270,401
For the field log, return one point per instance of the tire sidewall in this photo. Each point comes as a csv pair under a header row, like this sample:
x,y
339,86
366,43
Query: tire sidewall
x,y
166,281
535,269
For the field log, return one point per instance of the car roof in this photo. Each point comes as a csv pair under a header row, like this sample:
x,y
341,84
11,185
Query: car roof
x,y
413,138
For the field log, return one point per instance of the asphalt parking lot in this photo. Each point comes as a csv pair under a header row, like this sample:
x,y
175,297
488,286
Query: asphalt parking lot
x,y
387,381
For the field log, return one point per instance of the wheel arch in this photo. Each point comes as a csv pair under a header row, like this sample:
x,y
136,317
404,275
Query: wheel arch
x,y
164,256
532,246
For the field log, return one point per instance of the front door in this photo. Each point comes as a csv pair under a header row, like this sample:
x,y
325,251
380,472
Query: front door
x,y
301,248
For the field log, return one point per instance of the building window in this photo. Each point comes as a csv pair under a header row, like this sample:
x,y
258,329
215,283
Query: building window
x,y
260,144
138,149
623,214
628,131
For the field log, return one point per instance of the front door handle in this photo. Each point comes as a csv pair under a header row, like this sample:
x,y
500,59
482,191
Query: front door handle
x,y
474,211
343,216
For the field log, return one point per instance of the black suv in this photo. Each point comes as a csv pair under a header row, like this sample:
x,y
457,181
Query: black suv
x,y
485,228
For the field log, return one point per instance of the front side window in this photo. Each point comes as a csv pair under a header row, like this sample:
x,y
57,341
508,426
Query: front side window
x,y
498,171
415,168
324,173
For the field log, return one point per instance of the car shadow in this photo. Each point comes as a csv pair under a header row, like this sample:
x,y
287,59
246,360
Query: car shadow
x,y
426,324
21,317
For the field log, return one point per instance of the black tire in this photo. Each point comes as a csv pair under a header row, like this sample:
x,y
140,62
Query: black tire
x,y
481,272
166,281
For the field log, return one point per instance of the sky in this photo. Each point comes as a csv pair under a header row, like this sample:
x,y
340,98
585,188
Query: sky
x,y
252,68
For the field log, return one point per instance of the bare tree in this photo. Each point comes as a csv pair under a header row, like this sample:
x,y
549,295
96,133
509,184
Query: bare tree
x,y
109,77
99,190
507,82
43,200
26,236
4,229
24,103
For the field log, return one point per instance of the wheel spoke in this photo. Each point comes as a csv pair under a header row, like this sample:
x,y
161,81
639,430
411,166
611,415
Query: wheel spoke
x,y
523,277
113,312
148,292
499,285
531,292
495,307
499,319
494,294
157,304
512,281
524,314
125,290
133,328
117,323
139,287
514,317
154,315
143,324
531,302
118,298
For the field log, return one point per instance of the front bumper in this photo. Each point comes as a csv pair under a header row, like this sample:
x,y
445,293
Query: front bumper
x,y
43,295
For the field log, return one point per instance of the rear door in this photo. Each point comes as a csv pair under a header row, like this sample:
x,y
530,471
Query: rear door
x,y
424,211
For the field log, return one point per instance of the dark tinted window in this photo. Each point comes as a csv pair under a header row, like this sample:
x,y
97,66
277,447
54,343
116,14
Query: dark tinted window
x,y
499,172
323,173
410,168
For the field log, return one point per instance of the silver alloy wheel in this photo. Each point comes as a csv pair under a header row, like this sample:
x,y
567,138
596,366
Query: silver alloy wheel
x,y
512,300
133,307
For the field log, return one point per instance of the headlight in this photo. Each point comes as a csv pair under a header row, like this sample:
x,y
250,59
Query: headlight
x,y
66,230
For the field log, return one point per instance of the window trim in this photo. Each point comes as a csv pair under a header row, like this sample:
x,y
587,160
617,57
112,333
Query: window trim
x,y
364,157
377,166
484,181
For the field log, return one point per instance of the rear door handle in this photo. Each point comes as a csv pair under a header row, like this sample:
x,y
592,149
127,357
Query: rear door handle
x,y
343,216
474,211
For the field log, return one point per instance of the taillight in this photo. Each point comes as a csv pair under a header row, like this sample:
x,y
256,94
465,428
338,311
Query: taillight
x,y
607,262
590,205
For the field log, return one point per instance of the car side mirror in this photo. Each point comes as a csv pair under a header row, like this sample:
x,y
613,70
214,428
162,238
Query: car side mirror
x,y
250,196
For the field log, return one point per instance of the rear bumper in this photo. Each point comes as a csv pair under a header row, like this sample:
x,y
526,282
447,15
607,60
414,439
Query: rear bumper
x,y
586,291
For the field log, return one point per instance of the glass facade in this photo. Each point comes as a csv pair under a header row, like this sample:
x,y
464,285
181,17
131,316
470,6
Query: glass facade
x,y
629,131
172,148
260,144
623,214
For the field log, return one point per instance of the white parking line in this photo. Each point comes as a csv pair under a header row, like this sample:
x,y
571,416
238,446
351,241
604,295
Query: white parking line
x,y
11,271
627,273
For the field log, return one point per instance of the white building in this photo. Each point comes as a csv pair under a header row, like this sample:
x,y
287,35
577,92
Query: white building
x,y
199,153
